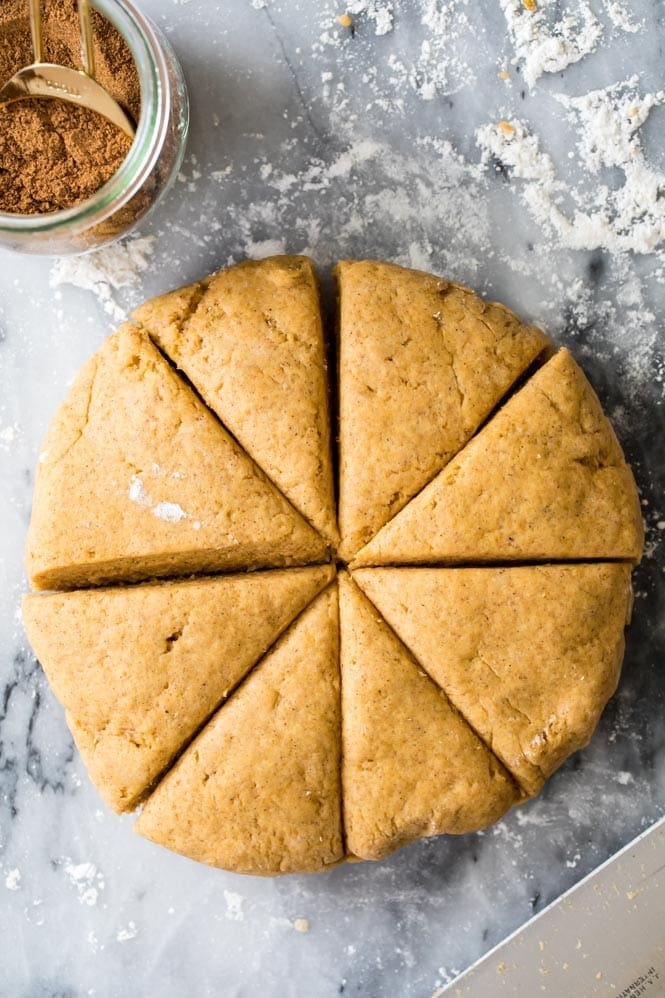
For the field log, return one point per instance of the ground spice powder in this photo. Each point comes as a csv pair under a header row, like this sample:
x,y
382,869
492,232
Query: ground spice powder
x,y
54,155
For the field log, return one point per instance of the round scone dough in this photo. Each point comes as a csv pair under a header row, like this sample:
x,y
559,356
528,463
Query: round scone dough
x,y
282,688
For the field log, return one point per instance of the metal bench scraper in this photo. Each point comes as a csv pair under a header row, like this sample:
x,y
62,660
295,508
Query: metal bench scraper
x,y
605,936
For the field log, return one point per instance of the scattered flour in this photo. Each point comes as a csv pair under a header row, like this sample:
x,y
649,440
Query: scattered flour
x,y
353,156
234,903
416,195
531,817
407,199
547,40
86,879
171,512
265,247
137,492
512,145
439,69
124,935
548,35
591,215
8,435
13,880
106,271
621,17
93,942
380,13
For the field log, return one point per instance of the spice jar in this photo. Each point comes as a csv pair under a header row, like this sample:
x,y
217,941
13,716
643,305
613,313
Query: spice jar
x,y
150,167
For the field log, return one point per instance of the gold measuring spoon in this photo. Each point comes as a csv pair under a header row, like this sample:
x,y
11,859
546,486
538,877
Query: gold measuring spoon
x,y
48,79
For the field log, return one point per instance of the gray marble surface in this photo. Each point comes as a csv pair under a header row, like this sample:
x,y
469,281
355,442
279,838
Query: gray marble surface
x,y
307,137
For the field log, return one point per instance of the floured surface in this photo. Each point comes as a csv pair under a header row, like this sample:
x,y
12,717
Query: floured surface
x,y
137,478
628,216
138,670
398,176
411,765
545,479
422,362
258,791
250,340
530,656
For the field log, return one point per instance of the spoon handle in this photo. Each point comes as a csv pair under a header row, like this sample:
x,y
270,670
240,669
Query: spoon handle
x,y
87,52
36,30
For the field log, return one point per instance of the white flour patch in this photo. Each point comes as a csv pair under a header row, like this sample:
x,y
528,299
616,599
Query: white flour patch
x,y
265,247
590,215
654,526
137,492
405,199
436,68
87,880
380,14
353,156
93,942
13,880
439,69
514,146
548,36
621,17
510,837
8,435
124,935
624,779
170,512
105,271
234,903
531,818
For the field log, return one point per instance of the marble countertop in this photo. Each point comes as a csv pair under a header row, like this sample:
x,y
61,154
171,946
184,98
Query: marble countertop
x,y
379,141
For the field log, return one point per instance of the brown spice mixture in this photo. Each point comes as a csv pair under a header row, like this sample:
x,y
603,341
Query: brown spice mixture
x,y
53,154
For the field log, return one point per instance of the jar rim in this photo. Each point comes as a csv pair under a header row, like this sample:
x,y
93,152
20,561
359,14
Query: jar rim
x,y
151,131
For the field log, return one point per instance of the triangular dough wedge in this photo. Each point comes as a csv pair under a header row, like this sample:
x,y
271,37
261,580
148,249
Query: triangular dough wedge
x,y
544,480
422,363
412,766
140,669
250,340
258,791
137,479
529,655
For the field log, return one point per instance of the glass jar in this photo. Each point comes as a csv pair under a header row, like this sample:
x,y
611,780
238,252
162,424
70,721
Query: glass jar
x,y
150,167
